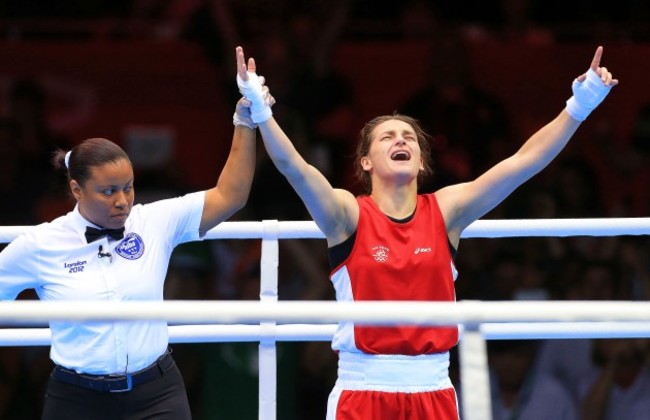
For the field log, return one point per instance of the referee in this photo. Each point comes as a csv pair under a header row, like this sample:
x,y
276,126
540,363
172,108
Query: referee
x,y
108,249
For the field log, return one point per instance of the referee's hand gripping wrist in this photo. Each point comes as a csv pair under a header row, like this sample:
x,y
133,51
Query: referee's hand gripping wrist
x,y
242,115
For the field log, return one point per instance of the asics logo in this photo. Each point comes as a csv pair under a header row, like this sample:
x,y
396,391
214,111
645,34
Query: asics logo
x,y
420,250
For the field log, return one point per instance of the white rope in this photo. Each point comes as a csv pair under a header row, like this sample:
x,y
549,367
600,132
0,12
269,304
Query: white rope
x,y
558,227
324,312
478,229
310,332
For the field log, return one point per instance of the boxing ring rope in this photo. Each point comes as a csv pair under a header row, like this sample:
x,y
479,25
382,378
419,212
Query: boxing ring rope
x,y
279,321
479,229
311,332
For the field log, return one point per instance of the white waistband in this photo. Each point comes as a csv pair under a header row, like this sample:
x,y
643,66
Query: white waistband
x,y
428,372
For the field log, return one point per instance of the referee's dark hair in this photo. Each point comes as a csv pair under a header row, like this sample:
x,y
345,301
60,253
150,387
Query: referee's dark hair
x,y
83,157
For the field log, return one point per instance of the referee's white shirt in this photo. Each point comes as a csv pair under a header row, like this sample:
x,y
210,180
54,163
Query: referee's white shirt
x,y
55,260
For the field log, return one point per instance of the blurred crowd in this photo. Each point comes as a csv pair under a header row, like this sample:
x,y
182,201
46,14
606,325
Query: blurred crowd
x,y
471,129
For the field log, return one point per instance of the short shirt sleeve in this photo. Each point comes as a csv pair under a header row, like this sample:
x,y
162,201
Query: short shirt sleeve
x,y
18,267
180,216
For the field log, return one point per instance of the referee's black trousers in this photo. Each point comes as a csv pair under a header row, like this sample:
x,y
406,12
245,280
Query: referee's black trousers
x,y
163,398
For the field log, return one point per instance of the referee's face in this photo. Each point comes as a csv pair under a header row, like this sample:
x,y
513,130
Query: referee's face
x,y
107,197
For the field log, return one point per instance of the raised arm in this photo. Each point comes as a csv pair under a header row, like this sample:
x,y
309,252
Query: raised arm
x,y
335,211
464,203
234,184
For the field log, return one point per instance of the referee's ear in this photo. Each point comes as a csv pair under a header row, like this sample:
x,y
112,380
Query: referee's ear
x,y
75,188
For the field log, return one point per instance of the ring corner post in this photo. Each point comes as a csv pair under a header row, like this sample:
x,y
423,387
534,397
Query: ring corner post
x,y
268,294
475,381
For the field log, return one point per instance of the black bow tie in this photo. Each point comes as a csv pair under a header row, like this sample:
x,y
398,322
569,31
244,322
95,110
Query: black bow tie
x,y
93,234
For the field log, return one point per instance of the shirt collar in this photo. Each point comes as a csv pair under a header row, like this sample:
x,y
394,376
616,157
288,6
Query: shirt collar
x,y
78,223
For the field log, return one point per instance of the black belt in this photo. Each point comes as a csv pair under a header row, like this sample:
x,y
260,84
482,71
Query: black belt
x,y
115,383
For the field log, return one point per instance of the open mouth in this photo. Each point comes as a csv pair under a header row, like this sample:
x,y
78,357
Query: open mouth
x,y
400,155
